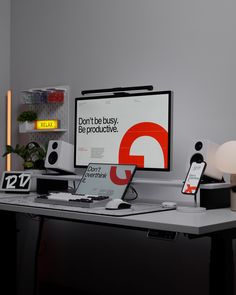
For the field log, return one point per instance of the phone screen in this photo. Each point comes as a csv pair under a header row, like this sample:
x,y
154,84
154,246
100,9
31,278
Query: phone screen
x,y
193,178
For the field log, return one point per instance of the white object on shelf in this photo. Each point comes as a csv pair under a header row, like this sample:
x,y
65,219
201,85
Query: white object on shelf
x,y
50,110
45,130
26,126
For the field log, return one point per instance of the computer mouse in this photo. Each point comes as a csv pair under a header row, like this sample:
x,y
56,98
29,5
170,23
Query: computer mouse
x,y
116,204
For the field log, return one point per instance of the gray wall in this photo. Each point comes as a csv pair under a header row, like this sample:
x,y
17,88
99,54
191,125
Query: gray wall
x,y
5,26
186,46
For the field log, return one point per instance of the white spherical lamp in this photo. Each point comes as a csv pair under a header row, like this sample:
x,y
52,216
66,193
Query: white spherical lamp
x,y
225,160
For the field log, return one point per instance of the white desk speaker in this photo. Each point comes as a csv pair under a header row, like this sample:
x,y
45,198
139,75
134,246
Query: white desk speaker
x,y
204,150
60,156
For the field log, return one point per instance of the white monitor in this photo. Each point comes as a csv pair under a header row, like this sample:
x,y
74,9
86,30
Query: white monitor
x,y
130,129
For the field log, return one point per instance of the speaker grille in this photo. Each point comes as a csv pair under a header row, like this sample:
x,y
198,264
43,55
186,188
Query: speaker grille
x,y
54,145
52,158
197,158
198,145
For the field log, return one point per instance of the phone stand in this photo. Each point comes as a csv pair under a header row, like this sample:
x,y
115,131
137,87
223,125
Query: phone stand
x,y
194,209
191,186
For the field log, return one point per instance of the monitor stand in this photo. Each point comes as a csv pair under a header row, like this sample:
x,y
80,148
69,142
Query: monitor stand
x,y
194,209
54,171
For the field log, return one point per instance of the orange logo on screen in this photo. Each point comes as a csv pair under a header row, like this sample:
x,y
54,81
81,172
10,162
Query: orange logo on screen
x,y
116,179
142,129
190,189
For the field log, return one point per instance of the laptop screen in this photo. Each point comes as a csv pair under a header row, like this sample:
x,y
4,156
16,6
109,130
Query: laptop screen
x,y
106,180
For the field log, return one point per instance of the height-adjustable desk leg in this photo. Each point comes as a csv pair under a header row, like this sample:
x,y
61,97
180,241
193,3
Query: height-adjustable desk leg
x,y
221,264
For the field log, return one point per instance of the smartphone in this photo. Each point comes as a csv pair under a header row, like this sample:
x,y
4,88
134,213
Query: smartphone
x,y
193,178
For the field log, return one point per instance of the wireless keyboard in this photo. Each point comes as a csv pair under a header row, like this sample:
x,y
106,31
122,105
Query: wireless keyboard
x,y
68,199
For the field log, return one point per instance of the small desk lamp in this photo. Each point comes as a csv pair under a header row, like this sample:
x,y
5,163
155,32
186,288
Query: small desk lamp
x,y
225,159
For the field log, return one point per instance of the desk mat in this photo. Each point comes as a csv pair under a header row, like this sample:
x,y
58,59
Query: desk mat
x,y
136,208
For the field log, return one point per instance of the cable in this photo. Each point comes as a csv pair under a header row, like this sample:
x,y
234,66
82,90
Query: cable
x,y
133,191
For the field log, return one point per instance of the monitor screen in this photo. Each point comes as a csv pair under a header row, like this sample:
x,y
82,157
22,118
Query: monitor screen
x,y
130,129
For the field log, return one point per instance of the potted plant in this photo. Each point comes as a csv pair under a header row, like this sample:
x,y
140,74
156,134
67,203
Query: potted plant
x,y
26,121
32,154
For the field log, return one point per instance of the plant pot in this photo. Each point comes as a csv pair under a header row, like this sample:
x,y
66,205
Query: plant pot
x,y
26,126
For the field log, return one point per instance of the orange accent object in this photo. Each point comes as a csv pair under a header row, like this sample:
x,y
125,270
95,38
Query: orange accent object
x,y
46,124
142,129
8,139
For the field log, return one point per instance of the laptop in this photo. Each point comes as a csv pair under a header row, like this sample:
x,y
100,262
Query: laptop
x,y
99,184
111,180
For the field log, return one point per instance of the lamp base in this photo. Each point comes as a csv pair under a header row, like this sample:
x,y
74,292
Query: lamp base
x,y
233,192
233,200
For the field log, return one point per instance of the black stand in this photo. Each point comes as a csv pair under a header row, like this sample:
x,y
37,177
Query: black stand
x,y
194,209
195,200
118,90
222,263
8,248
37,256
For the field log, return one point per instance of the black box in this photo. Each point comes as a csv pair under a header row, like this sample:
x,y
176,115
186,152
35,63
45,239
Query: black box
x,y
46,185
215,198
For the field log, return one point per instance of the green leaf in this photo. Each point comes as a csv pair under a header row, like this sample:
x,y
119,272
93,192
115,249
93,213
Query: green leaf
x,y
27,116
32,156
28,165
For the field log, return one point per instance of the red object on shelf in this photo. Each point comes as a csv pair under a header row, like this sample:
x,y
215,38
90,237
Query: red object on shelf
x,y
55,96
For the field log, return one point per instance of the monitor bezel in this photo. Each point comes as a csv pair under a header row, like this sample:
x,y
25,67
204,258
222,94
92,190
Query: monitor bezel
x,y
122,95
